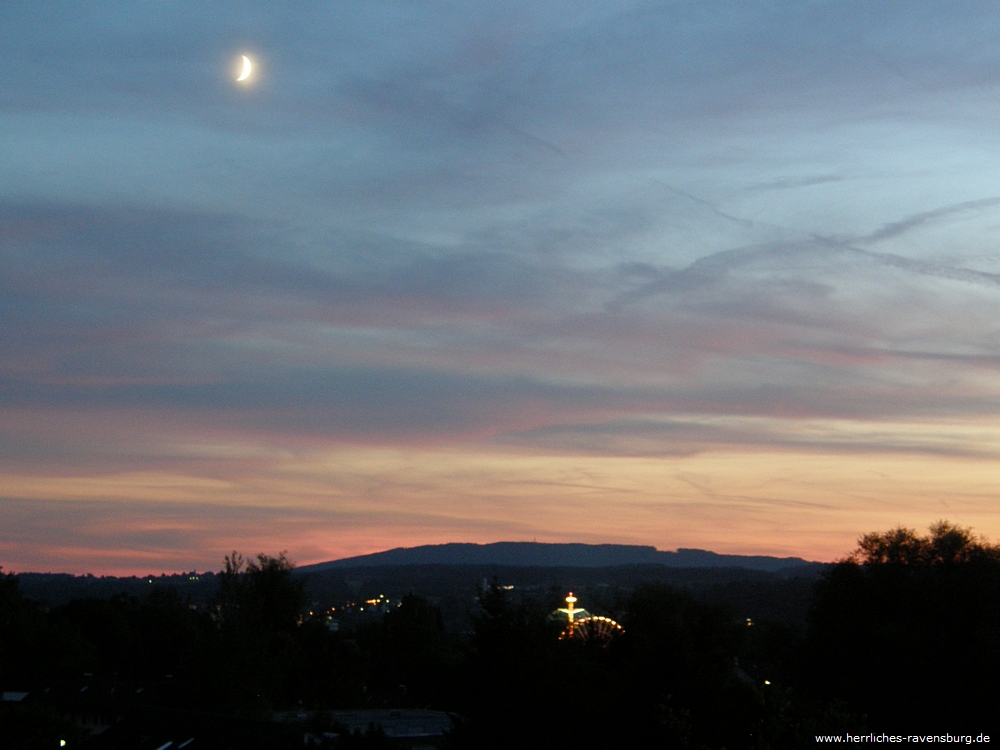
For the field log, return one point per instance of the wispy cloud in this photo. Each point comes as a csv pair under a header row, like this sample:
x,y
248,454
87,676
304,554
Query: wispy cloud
x,y
589,231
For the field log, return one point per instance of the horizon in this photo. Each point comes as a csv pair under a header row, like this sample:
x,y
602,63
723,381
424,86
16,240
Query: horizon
x,y
718,277
297,564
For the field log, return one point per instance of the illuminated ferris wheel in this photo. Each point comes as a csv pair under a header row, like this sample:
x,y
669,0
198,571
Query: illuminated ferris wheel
x,y
584,627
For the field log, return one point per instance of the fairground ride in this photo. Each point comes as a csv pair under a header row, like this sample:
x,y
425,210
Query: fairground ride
x,y
584,627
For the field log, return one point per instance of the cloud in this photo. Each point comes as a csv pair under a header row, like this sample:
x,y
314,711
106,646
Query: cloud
x,y
685,435
210,313
912,222
651,229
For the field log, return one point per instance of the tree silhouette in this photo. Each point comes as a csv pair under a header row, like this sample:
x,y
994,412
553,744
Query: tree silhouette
x,y
260,605
907,628
261,594
947,544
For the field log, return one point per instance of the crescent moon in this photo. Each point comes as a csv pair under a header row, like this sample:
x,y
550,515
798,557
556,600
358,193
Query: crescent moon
x,y
246,69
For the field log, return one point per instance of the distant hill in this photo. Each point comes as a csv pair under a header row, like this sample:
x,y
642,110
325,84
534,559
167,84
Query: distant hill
x,y
537,554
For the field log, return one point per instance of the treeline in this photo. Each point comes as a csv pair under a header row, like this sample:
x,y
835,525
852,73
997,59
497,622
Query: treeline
x,y
902,636
55,589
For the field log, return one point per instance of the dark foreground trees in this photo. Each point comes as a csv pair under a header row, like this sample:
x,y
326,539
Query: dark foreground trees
x,y
684,674
907,630
258,654
903,635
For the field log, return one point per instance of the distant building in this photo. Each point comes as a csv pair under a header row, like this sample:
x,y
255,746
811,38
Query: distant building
x,y
408,722
407,727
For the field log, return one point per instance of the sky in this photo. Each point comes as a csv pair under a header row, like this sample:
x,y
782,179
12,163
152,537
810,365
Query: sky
x,y
722,275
